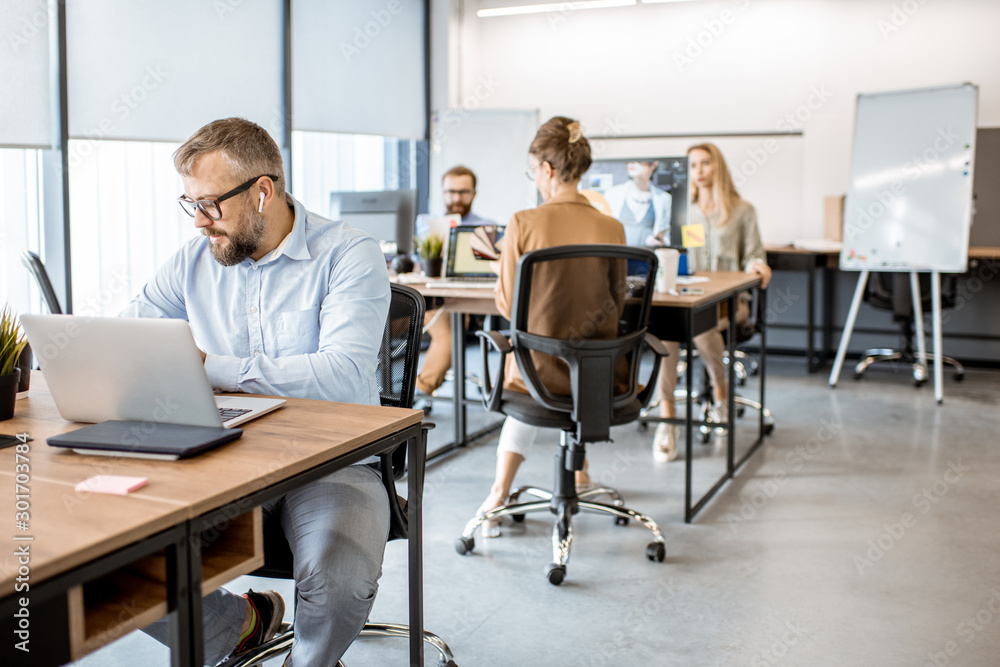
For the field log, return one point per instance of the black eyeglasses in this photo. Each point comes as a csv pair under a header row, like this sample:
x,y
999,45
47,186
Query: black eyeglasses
x,y
210,207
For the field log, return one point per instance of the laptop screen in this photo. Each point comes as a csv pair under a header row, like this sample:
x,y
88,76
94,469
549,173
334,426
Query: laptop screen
x,y
471,248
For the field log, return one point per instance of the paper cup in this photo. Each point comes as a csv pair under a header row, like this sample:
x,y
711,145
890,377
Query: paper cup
x,y
666,272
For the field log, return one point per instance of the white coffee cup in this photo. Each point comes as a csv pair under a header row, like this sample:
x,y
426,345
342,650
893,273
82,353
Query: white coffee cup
x,y
666,272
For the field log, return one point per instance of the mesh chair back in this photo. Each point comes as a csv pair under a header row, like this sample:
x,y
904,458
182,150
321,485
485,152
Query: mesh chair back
x,y
34,265
589,306
400,350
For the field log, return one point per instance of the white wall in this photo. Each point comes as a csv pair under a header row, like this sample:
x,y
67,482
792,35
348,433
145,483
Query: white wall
x,y
618,69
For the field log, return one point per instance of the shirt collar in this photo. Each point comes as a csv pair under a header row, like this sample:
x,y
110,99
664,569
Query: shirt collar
x,y
294,244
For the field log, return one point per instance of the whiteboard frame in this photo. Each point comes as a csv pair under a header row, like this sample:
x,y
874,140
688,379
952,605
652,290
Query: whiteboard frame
x,y
956,265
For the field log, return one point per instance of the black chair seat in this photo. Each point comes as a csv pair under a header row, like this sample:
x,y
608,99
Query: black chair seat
x,y
524,408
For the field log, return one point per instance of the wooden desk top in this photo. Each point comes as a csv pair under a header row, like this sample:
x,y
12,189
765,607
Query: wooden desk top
x,y
975,251
273,448
720,285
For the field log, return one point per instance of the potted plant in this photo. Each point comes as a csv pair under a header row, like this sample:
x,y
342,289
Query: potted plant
x,y
430,248
12,342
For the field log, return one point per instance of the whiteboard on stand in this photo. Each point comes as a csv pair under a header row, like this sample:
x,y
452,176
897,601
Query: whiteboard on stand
x,y
909,205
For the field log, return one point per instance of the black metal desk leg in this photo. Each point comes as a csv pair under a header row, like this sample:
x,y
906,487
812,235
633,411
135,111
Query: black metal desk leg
x,y
458,367
762,328
688,428
829,297
414,511
187,636
731,391
811,364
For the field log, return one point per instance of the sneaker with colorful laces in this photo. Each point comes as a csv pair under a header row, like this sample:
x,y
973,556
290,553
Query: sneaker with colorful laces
x,y
267,610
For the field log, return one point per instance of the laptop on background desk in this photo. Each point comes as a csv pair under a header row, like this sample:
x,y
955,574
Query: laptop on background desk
x,y
469,249
133,369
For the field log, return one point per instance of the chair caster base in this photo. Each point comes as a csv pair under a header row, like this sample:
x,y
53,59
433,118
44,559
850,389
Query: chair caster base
x,y
656,552
556,574
464,545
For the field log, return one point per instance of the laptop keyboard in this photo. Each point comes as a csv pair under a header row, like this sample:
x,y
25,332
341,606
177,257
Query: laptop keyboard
x,y
232,413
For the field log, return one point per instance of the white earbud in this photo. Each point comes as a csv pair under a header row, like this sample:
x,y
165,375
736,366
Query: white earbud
x,y
260,208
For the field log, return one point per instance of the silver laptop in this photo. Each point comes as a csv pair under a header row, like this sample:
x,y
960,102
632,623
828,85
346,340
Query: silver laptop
x,y
468,252
136,369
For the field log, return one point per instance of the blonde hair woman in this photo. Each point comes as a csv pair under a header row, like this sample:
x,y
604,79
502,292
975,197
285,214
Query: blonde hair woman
x,y
732,243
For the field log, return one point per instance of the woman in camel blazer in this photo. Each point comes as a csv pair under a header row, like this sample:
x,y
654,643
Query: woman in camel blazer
x,y
559,156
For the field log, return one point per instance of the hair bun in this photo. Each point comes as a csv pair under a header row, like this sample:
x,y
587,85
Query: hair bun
x,y
575,132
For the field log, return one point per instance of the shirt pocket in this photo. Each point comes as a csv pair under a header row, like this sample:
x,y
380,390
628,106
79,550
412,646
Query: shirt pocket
x,y
297,332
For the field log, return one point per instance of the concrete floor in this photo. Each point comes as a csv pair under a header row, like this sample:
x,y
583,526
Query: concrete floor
x,y
865,532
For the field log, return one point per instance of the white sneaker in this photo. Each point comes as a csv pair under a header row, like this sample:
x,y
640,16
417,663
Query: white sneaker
x,y
665,443
719,413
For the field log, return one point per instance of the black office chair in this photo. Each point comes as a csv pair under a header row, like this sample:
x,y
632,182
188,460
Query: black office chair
x,y
595,403
396,372
33,263
891,291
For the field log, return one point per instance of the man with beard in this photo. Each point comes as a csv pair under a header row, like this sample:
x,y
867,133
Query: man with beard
x,y
458,187
282,302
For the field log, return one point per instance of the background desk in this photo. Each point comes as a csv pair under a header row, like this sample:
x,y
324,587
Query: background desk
x,y
672,318
829,303
104,565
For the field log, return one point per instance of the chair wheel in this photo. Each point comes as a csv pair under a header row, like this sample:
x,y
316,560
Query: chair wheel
x,y
655,551
621,520
740,410
959,377
517,518
706,435
768,428
642,427
464,545
427,407
556,574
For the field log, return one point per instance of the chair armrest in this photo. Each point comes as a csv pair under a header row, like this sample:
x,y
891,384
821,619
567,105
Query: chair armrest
x,y
494,388
659,352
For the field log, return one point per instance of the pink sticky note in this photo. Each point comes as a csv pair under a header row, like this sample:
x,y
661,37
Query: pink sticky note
x,y
117,485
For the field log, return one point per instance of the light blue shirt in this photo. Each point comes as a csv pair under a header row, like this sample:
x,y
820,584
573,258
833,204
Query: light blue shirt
x,y
306,320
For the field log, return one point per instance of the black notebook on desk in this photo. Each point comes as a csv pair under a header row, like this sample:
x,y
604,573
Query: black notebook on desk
x,y
150,440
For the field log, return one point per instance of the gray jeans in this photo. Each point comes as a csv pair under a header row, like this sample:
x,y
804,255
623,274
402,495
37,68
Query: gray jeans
x,y
336,528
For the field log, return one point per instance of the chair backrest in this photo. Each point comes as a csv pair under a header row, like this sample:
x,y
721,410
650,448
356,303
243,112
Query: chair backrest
x,y
400,350
891,291
397,377
34,265
589,306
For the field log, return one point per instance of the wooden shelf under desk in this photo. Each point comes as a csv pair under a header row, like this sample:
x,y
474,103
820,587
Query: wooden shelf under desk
x,y
135,595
